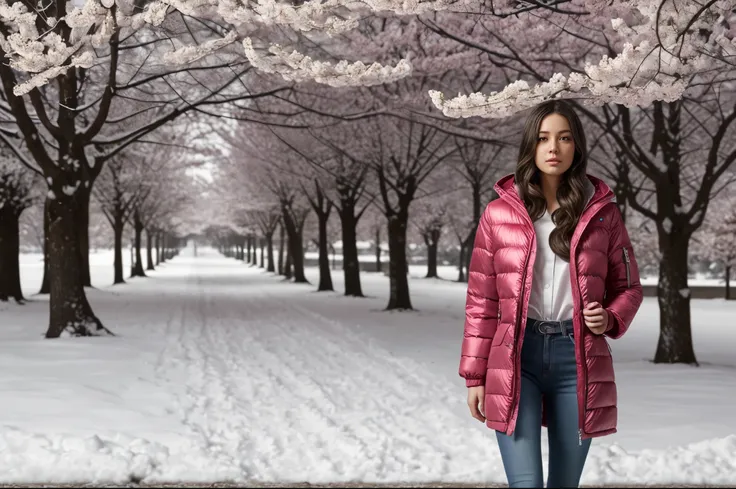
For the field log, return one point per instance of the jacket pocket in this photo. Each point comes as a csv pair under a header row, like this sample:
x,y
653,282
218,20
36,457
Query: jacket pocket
x,y
627,262
500,336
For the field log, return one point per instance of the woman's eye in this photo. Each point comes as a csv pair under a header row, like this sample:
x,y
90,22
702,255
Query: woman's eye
x,y
541,138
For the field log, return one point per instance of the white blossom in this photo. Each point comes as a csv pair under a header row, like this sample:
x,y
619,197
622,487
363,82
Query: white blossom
x,y
85,60
664,48
643,72
295,66
307,17
189,54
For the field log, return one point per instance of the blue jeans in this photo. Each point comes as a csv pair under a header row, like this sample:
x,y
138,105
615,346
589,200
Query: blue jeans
x,y
548,368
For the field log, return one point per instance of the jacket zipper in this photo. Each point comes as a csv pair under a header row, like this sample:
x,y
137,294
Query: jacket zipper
x,y
628,270
517,338
581,342
584,365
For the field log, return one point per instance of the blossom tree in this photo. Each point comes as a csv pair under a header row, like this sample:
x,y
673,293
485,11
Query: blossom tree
x,y
168,191
262,172
406,155
294,204
479,165
431,213
338,171
116,191
314,187
268,220
246,203
717,241
461,225
70,74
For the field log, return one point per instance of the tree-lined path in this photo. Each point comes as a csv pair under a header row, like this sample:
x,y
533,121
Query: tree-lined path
x,y
223,372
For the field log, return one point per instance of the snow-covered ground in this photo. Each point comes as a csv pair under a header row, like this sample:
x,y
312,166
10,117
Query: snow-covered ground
x,y
223,372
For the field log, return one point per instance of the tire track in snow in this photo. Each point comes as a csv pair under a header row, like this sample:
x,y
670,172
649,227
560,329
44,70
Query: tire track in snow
x,y
276,392
366,400
204,404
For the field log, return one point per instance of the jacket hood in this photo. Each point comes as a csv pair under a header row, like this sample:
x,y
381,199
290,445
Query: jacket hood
x,y
596,190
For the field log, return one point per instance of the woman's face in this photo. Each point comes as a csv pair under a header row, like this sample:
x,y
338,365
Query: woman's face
x,y
555,147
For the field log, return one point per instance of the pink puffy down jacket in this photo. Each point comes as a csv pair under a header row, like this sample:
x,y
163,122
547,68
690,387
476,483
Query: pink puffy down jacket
x,y
602,269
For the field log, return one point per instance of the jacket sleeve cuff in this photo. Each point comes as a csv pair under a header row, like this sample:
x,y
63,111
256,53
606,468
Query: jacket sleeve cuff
x,y
611,321
474,382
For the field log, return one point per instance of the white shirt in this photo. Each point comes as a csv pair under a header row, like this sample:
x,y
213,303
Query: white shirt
x,y
551,294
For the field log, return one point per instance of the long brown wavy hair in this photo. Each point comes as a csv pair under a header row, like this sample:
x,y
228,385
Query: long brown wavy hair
x,y
571,193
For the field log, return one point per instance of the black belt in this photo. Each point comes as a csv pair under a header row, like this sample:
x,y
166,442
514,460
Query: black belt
x,y
550,327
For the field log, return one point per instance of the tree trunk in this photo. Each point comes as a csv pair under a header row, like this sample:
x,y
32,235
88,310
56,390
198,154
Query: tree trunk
x,y
10,255
281,270
262,241
378,249
430,240
118,261
269,246
728,283
468,246
325,275
675,343
350,264
164,245
45,283
138,267
82,198
149,251
247,241
296,248
69,310
297,259
397,265
287,264
254,256
461,264
157,245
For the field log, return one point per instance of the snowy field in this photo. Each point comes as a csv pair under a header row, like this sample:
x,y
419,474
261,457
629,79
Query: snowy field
x,y
221,372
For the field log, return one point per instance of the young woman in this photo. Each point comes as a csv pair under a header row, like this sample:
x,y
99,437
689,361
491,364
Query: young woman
x,y
551,275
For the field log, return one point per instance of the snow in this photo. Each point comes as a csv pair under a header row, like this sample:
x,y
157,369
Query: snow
x,y
222,372
667,225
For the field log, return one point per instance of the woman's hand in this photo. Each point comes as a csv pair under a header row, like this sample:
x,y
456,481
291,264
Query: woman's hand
x,y
596,318
476,398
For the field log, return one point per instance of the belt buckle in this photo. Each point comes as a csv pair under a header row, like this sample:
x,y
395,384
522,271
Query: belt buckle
x,y
545,328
